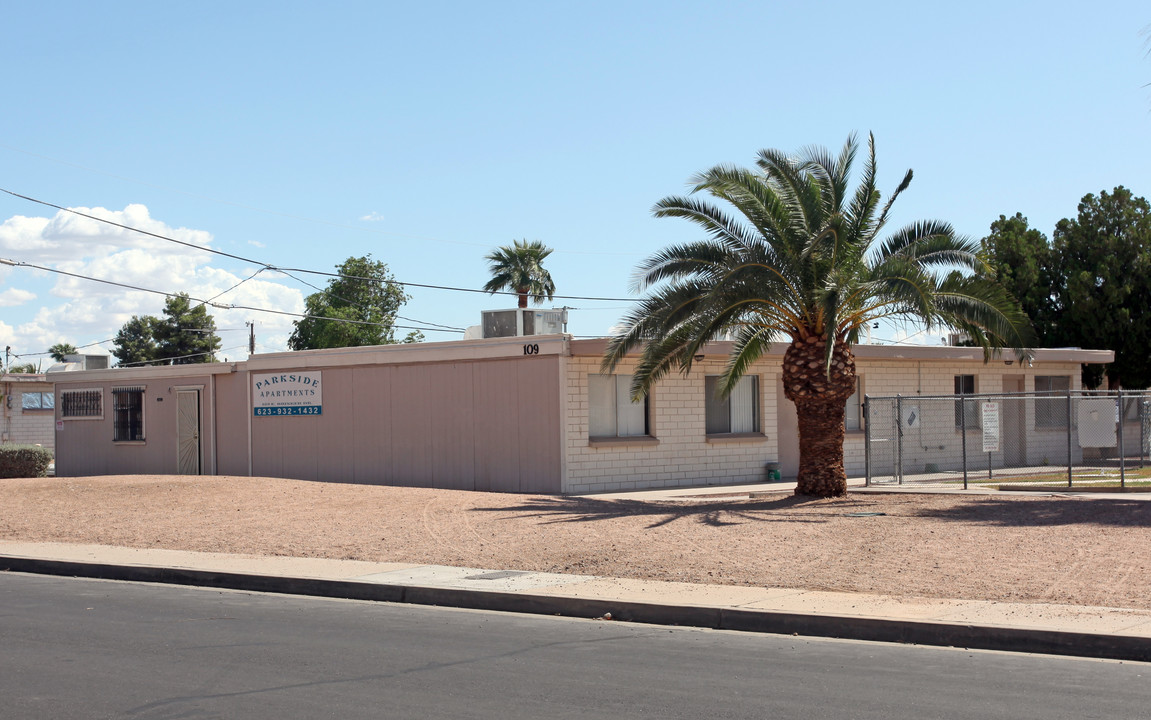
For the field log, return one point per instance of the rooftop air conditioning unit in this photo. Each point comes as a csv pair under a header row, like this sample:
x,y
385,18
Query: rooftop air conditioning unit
x,y
518,322
958,339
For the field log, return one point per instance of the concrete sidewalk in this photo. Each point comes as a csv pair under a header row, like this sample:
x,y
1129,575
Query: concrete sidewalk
x,y
1042,628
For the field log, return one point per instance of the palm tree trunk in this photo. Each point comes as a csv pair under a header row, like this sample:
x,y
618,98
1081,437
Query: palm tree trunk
x,y
819,399
523,296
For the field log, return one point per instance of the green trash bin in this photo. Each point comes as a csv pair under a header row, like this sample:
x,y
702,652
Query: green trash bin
x,y
773,474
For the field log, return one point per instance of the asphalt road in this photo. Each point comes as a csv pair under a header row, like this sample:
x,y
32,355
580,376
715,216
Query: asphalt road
x,y
74,648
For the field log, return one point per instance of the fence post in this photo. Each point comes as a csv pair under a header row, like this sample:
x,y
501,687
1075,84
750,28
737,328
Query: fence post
x,y
1122,455
963,435
1142,429
866,441
1069,459
899,438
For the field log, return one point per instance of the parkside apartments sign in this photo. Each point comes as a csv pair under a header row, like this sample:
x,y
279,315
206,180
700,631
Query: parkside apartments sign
x,y
298,393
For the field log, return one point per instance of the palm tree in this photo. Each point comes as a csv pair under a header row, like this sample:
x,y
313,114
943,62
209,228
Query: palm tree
x,y
800,261
60,350
519,268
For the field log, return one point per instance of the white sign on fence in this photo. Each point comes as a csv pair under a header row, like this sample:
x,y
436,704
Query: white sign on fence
x,y
990,426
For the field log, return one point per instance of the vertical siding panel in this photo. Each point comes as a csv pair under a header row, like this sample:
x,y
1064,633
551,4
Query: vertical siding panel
x,y
333,429
411,426
232,424
496,420
267,445
452,437
539,425
300,434
372,424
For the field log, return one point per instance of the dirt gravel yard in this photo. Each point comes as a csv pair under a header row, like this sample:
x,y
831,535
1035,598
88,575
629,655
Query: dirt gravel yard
x,y
991,547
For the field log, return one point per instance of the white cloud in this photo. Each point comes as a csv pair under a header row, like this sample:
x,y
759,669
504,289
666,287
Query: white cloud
x,y
257,243
15,296
82,311
373,216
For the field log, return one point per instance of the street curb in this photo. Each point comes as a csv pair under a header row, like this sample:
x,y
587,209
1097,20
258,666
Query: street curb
x,y
967,636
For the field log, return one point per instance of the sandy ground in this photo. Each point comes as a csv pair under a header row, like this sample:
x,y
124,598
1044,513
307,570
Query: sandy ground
x,y
1044,549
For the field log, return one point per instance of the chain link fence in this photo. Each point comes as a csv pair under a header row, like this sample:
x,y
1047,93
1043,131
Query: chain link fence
x,y
1057,439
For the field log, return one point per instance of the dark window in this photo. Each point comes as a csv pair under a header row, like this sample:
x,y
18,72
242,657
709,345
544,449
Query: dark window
x,y
1051,412
81,404
128,414
966,411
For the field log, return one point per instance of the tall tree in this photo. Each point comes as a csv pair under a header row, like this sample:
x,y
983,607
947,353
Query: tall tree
x,y
186,334
1020,259
519,268
135,342
1104,258
183,335
357,308
800,260
60,350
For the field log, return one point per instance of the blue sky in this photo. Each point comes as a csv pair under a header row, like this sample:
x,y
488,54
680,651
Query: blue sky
x,y
427,134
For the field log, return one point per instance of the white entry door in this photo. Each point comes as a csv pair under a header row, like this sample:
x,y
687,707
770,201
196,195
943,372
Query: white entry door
x,y
188,432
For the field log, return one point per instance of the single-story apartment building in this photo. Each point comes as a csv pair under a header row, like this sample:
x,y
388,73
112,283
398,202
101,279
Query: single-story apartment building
x,y
521,414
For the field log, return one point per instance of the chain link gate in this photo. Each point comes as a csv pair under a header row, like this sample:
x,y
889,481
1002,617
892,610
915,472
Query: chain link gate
x,y
1030,440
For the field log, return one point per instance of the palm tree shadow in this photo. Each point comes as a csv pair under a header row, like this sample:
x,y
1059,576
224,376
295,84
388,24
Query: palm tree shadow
x,y
715,513
1047,512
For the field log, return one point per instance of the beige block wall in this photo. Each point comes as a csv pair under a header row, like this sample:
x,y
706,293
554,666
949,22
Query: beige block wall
x,y
683,456
937,441
28,427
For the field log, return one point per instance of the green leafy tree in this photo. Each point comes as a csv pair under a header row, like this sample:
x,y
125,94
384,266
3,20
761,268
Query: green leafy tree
x,y
1104,258
357,308
1020,259
22,369
60,350
135,342
800,260
519,268
186,334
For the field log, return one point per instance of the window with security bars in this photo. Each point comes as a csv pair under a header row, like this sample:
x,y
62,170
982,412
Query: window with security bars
x,y
128,414
82,404
1051,412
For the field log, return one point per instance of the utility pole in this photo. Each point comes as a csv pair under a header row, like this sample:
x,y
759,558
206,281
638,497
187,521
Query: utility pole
x,y
251,337
7,357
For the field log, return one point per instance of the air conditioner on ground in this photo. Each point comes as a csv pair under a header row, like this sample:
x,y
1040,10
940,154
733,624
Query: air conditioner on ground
x,y
517,322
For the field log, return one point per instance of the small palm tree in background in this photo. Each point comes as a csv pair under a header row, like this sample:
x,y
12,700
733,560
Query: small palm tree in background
x,y
800,261
60,350
519,268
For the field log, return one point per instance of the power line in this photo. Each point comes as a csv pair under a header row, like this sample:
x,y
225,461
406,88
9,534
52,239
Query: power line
x,y
269,266
79,347
361,306
15,263
164,361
